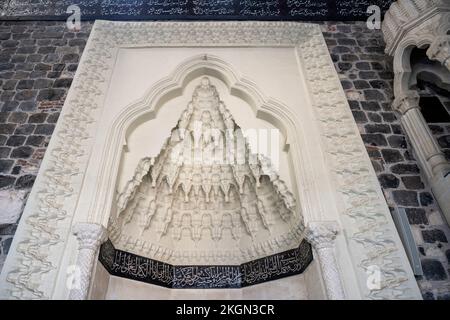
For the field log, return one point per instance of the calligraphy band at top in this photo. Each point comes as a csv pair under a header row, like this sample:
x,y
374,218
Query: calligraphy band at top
x,y
309,10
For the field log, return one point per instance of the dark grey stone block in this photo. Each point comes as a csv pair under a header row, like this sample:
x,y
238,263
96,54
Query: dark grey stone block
x,y
23,152
391,155
413,182
51,94
359,116
46,129
372,94
37,118
35,141
377,128
15,141
416,216
6,181
397,141
405,198
374,139
432,236
6,165
389,181
25,182
433,270
24,129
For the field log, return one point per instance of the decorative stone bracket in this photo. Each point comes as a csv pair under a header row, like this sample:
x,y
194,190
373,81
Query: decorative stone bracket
x,y
322,236
440,51
90,236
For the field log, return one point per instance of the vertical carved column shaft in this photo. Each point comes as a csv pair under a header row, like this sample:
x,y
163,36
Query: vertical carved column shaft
x,y
322,235
430,156
90,236
440,51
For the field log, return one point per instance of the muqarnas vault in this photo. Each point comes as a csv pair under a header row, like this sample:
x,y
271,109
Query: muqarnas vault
x,y
206,212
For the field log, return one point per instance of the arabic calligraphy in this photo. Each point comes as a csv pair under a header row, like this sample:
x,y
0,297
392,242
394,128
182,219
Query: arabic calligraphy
x,y
359,7
167,7
219,7
118,7
190,9
131,266
259,8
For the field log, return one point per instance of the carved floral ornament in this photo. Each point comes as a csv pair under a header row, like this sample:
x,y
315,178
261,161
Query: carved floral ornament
x,y
33,267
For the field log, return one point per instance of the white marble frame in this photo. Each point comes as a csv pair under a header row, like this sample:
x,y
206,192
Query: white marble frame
x,y
338,181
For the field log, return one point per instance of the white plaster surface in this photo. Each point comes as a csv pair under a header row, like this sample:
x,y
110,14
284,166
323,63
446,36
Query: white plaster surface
x,y
290,288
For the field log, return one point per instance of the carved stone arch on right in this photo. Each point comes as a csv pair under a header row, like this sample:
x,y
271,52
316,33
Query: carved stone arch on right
x,y
416,33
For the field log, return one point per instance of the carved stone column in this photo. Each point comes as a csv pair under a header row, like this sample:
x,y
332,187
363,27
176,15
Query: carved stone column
x,y
440,50
90,236
430,157
321,235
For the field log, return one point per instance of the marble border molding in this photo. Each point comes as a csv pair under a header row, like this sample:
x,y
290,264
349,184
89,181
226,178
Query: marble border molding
x,y
128,265
44,246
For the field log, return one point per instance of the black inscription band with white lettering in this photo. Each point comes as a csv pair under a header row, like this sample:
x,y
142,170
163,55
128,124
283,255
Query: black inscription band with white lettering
x,y
128,265
294,10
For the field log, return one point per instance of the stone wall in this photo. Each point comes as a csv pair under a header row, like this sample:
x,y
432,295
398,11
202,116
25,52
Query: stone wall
x,y
37,64
367,78
440,130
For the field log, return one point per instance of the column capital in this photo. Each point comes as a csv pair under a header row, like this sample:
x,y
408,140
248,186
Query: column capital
x,y
439,50
321,234
405,102
89,235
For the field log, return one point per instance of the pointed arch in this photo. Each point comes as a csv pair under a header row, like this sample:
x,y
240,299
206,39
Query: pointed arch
x,y
170,87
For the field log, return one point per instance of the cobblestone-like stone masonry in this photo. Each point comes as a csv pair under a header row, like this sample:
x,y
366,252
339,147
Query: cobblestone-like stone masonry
x,y
367,78
37,64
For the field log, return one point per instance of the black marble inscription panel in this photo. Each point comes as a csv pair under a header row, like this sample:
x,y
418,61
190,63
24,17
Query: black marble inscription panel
x,y
296,10
127,265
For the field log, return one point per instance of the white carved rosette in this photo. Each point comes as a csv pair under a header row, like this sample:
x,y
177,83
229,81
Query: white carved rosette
x,y
90,236
322,236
